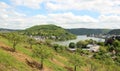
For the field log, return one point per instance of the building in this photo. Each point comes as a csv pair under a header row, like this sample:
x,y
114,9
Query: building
x,y
92,47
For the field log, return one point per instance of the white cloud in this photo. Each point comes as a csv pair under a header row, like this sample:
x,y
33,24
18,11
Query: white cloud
x,y
9,18
70,18
3,5
110,19
35,4
102,6
15,20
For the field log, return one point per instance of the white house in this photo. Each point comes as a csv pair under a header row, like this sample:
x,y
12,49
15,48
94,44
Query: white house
x,y
93,47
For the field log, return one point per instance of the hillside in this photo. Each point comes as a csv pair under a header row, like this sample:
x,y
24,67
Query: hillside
x,y
56,57
6,30
85,31
50,32
115,32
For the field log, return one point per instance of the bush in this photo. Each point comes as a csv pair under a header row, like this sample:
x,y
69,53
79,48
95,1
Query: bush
x,y
81,44
72,45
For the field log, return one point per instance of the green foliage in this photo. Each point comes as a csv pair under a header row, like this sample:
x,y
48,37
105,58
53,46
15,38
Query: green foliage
x,y
84,52
102,54
115,32
76,61
14,38
55,46
31,41
9,63
42,52
101,61
90,41
116,43
117,60
72,45
101,43
93,65
49,32
48,42
116,47
81,44
85,31
58,48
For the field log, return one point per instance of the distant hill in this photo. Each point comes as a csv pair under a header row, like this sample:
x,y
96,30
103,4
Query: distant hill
x,y
85,31
49,31
7,30
115,32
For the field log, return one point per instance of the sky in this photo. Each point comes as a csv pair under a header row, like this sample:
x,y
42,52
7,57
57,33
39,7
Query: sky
x,y
21,14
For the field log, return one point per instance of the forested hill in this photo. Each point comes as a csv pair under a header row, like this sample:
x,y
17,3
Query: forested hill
x,y
7,30
49,31
85,31
115,32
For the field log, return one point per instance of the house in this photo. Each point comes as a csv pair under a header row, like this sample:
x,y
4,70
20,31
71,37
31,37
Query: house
x,y
92,47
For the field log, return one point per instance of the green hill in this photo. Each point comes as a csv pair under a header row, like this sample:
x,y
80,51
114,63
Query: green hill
x,y
115,32
7,30
85,31
50,32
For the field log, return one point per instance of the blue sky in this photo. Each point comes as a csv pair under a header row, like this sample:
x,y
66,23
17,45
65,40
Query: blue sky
x,y
21,14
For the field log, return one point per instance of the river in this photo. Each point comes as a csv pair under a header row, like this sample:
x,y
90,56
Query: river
x,y
80,37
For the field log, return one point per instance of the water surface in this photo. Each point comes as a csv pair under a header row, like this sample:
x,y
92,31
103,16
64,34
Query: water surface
x,y
80,37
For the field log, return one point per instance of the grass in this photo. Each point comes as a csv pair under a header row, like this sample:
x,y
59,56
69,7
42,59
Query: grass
x,y
8,63
24,50
19,47
54,66
28,52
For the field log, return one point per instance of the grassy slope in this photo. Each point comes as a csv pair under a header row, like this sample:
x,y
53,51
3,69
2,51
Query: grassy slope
x,y
10,61
50,65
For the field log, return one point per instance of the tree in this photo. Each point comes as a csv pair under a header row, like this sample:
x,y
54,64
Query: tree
x,y
72,45
58,48
42,52
76,61
15,39
31,41
55,46
109,41
93,65
117,60
102,54
81,44
115,47
90,41
101,43
116,43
